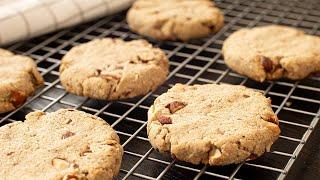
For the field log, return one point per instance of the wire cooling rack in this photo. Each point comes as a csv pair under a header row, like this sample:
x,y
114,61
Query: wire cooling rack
x,y
297,103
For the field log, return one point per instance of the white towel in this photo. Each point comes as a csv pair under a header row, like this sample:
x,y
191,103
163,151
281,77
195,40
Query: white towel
x,y
24,19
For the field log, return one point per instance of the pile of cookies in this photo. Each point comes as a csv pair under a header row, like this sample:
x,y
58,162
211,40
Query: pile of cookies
x,y
210,124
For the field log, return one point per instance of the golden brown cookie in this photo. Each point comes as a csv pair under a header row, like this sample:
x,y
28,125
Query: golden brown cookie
x,y
272,52
112,69
19,78
174,19
212,124
62,145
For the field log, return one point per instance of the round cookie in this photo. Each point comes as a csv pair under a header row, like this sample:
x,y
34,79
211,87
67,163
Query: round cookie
x,y
66,144
174,19
212,124
112,69
19,78
272,52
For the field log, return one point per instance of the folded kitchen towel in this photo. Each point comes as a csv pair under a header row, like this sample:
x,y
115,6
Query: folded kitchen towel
x,y
24,19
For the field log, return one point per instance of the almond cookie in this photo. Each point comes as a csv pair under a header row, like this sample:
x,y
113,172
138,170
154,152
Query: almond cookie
x,y
66,144
19,78
212,124
112,69
174,19
272,52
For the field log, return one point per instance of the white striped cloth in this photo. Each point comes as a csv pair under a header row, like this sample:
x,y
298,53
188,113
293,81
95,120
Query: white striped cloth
x,y
24,19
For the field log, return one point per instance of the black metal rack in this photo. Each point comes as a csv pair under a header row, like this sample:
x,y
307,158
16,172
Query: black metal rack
x,y
297,103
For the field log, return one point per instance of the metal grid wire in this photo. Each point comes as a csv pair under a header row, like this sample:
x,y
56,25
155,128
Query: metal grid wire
x,y
297,104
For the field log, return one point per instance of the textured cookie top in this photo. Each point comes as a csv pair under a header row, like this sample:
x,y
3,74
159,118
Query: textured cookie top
x,y
272,52
212,124
65,144
19,78
174,19
113,68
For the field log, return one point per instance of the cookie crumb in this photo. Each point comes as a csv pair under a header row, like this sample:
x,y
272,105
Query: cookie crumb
x,y
288,103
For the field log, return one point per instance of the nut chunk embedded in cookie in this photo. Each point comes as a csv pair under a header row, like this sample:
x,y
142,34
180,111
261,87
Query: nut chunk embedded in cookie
x,y
212,124
164,120
44,146
175,106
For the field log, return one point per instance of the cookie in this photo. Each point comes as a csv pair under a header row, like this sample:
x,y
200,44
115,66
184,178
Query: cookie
x,y
174,19
111,69
212,124
272,52
19,78
66,144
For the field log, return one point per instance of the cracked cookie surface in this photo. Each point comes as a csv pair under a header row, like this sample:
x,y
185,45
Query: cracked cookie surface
x,y
272,52
212,124
66,144
112,69
174,19
19,79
